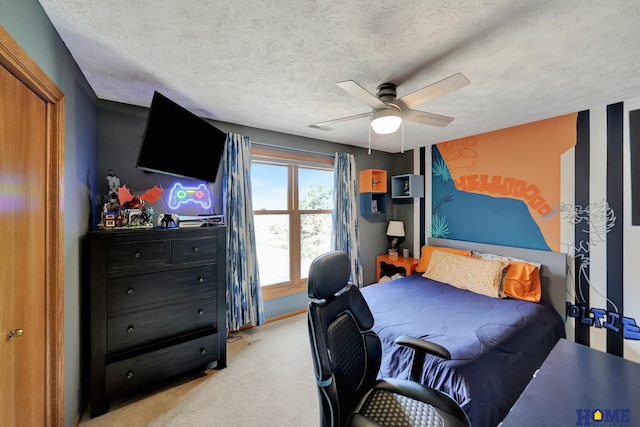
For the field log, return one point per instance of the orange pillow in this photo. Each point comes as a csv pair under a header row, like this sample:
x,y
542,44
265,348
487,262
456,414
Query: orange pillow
x,y
427,250
522,281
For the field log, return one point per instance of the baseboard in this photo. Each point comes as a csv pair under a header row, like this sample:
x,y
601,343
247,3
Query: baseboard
x,y
285,315
276,318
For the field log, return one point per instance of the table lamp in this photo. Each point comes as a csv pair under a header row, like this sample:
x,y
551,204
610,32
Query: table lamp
x,y
395,235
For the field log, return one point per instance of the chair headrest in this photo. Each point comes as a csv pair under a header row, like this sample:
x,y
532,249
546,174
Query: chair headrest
x,y
329,273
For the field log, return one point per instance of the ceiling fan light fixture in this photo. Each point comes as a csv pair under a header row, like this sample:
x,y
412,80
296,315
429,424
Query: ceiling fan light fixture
x,y
386,120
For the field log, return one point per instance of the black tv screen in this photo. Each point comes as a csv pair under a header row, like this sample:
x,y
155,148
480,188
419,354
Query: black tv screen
x,y
177,142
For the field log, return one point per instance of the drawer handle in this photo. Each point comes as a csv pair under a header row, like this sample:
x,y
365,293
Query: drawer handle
x,y
200,312
130,328
129,375
203,350
137,254
201,279
130,291
195,249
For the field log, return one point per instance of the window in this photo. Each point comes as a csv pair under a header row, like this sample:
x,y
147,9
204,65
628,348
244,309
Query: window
x,y
292,202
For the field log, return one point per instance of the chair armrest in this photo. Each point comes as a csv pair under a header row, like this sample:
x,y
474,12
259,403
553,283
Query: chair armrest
x,y
420,349
424,346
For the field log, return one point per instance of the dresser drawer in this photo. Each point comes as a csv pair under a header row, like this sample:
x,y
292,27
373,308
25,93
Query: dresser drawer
x,y
126,375
175,285
134,256
125,332
194,250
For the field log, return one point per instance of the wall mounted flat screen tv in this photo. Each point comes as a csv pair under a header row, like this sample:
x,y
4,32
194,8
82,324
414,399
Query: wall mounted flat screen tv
x,y
177,142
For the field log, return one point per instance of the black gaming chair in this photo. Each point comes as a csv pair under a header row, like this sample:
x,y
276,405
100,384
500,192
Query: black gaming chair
x,y
346,356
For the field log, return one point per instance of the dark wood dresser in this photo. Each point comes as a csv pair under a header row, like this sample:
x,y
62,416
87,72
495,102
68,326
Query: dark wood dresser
x,y
157,308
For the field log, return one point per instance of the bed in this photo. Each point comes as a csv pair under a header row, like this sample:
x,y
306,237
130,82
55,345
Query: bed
x,y
495,344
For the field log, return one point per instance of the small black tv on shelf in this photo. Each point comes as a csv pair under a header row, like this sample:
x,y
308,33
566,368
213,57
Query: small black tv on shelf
x,y
177,142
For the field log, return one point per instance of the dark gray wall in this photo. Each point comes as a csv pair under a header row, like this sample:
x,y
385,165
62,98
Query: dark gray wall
x,y
29,26
402,209
120,131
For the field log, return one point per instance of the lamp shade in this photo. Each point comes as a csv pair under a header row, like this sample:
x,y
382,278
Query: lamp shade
x,y
386,120
395,228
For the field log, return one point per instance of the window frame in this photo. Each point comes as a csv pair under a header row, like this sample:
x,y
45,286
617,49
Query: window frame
x,y
293,161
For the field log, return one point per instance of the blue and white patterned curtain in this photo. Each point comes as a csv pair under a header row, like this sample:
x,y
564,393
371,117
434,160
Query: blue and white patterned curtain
x,y
244,295
344,232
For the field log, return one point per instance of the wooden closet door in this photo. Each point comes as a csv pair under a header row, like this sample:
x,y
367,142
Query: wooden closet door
x,y
22,266
32,241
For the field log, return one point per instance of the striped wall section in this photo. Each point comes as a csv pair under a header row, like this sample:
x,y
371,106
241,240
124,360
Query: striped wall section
x,y
426,172
598,300
581,240
615,196
631,238
598,243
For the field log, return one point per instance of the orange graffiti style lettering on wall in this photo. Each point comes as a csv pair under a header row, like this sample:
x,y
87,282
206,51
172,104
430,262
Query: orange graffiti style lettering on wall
x,y
507,187
459,153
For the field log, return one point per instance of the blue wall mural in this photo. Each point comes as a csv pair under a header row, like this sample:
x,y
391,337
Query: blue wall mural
x,y
475,217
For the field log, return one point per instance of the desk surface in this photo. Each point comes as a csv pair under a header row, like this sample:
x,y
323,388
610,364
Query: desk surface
x,y
572,383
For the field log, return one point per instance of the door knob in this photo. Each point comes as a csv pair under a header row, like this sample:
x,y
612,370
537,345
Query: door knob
x,y
15,333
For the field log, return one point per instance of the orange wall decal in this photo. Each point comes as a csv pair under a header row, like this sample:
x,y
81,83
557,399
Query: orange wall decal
x,y
521,162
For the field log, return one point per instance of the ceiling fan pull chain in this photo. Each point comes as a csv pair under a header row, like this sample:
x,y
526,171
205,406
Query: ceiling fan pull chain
x,y
402,137
369,139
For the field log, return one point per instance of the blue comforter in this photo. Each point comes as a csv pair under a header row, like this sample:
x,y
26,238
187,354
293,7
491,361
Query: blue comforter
x,y
495,344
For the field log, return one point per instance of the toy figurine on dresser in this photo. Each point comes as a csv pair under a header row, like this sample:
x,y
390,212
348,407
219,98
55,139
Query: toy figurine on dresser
x,y
121,209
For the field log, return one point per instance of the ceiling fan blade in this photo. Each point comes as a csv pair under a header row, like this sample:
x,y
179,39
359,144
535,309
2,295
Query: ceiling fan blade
x,y
426,118
434,90
342,119
361,93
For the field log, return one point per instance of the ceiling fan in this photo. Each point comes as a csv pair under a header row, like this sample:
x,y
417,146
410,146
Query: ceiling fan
x,y
389,112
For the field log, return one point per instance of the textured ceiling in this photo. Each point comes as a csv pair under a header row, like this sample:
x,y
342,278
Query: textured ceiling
x,y
274,64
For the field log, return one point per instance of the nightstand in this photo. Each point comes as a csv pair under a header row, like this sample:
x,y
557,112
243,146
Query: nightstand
x,y
409,264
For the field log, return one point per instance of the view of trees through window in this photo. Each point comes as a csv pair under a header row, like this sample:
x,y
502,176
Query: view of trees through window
x,y
292,216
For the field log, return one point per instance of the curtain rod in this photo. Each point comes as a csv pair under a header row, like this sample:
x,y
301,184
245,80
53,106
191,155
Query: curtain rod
x,y
291,150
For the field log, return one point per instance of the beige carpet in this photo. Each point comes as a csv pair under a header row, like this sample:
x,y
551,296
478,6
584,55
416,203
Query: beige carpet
x,y
268,381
